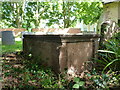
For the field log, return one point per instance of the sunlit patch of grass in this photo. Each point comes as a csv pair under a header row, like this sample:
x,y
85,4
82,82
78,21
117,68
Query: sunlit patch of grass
x,y
12,48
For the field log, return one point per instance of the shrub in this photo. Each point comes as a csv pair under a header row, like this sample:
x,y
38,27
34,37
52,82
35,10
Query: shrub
x,y
109,56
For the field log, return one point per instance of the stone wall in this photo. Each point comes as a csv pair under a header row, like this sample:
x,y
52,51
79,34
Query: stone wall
x,y
110,11
16,31
57,30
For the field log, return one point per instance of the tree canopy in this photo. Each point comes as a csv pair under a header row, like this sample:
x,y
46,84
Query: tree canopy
x,y
38,14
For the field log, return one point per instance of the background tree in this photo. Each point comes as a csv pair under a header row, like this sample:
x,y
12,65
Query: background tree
x,y
63,13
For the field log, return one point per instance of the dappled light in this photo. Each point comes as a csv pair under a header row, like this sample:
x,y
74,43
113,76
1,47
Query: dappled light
x,y
60,45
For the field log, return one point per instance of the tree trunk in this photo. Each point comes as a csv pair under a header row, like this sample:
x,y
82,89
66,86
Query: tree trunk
x,y
37,17
23,7
64,13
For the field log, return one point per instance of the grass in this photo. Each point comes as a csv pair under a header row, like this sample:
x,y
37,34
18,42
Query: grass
x,y
12,48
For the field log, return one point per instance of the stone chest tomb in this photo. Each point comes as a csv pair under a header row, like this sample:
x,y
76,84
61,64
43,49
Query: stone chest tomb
x,y
61,51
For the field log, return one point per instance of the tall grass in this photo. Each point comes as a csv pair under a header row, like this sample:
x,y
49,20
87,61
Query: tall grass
x,y
109,56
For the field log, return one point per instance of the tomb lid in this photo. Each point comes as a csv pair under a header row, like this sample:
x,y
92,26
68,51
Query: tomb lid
x,y
109,1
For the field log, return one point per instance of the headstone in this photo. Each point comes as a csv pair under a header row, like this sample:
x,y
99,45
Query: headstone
x,y
8,38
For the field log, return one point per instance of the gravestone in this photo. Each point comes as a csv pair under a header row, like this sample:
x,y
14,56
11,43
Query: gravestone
x,y
8,38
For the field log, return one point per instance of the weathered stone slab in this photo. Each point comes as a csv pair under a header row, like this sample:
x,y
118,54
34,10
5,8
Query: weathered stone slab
x,y
16,31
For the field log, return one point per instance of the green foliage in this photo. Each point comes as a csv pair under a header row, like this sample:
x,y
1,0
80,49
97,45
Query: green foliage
x,y
31,76
45,77
78,83
100,81
109,57
11,14
104,80
91,12
65,14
